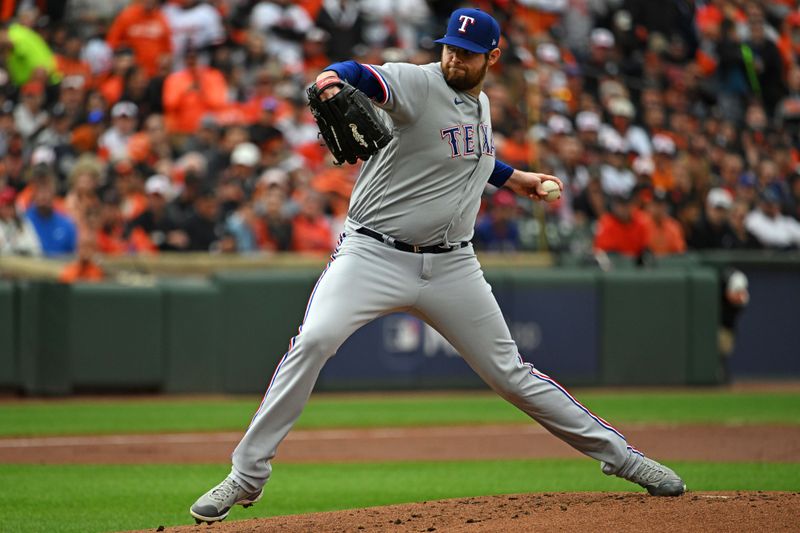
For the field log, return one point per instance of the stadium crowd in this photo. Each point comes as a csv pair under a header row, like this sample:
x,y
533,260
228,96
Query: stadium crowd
x,y
181,125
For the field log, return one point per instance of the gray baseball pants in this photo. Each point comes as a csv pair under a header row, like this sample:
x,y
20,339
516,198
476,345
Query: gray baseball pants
x,y
367,279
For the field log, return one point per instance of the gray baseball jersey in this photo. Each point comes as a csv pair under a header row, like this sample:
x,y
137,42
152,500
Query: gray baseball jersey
x,y
424,188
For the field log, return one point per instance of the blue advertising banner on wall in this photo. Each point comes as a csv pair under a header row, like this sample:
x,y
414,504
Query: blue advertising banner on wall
x,y
767,336
556,329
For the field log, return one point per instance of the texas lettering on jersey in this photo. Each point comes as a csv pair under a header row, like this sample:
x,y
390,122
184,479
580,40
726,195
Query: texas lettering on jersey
x,y
462,139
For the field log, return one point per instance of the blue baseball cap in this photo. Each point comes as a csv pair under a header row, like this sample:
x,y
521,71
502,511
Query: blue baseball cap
x,y
473,30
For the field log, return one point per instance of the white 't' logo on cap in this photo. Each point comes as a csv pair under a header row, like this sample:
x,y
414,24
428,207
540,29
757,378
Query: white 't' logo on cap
x,y
464,21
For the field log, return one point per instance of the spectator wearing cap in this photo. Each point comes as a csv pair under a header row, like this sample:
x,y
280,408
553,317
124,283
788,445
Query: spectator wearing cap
x,y
245,162
498,230
664,152
56,231
156,229
315,57
311,231
40,164
615,175
114,141
746,190
587,127
643,168
30,116
664,233
622,230
622,114
25,53
142,27
772,228
17,234
263,130
600,61
192,93
72,95
712,226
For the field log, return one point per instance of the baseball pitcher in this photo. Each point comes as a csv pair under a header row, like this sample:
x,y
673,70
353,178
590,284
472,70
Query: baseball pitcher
x,y
428,153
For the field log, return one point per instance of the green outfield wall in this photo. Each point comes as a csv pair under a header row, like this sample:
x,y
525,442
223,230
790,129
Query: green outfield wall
x,y
226,333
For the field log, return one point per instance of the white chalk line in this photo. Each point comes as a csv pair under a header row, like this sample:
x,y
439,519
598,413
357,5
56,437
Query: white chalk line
x,y
298,436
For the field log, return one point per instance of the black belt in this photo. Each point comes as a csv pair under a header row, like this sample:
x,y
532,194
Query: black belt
x,y
413,248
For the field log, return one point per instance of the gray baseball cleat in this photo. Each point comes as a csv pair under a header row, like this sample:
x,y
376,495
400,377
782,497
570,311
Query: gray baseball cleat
x,y
215,504
655,477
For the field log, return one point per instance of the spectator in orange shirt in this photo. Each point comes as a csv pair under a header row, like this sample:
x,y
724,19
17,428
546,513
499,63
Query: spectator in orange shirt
x,y
85,267
69,62
663,155
142,27
311,231
110,229
664,233
192,93
112,84
622,230
517,149
128,183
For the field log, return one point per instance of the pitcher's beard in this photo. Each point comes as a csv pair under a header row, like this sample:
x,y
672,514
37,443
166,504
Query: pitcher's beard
x,y
461,80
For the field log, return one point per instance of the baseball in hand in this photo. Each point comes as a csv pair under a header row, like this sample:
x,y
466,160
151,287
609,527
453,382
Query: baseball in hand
x,y
552,190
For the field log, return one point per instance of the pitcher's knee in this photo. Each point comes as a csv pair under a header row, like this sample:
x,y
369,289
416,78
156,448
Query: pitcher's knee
x,y
318,342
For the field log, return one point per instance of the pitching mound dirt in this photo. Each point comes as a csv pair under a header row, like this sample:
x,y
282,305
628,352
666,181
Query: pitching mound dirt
x,y
619,512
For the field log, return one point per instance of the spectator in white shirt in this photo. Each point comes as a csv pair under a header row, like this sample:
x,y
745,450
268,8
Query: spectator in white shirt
x,y
194,24
29,116
772,228
285,25
123,126
615,176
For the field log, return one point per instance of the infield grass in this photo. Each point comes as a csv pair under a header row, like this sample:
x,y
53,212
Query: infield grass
x,y
75,417
85,499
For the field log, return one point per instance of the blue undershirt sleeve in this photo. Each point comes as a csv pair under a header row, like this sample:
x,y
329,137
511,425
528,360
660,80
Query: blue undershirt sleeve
x,y
359,77
500,174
